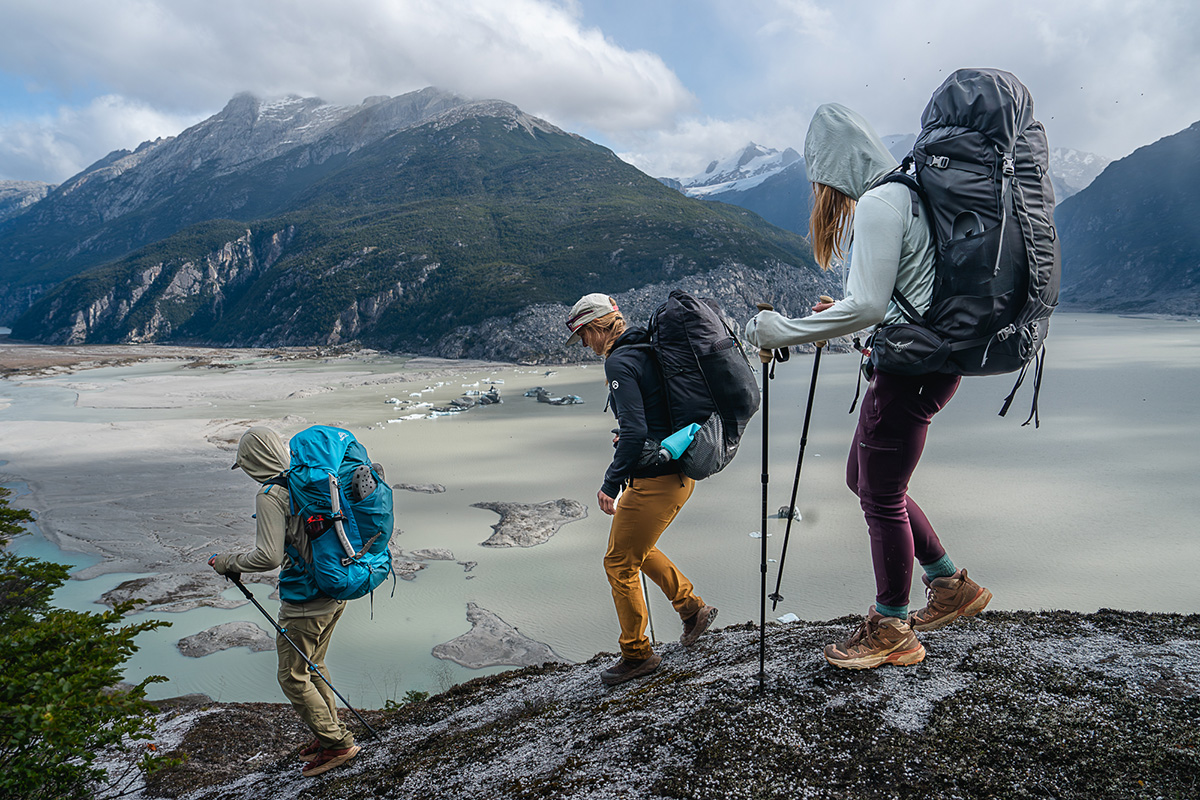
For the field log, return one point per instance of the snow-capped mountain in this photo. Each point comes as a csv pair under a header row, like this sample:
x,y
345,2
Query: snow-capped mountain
x,y
774,184
744,170
1072,170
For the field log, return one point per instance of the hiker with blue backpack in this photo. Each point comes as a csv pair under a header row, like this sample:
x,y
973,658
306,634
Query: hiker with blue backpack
x,y
317,575
642,492
957,265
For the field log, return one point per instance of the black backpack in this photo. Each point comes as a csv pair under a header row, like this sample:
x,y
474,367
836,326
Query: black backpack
x,y
707,378
980,168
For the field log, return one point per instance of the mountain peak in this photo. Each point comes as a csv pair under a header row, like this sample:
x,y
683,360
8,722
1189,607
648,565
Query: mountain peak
x,y
748,167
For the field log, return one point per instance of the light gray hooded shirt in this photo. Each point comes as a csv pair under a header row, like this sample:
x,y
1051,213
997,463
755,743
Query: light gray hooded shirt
x,y
262,455
892,248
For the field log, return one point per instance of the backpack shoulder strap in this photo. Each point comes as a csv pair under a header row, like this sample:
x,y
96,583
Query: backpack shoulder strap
x,y
917,195
280,480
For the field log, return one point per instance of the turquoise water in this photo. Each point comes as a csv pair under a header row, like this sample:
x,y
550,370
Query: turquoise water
x,y
1097,508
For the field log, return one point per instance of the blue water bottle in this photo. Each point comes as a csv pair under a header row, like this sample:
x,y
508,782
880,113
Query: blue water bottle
x,y
678,441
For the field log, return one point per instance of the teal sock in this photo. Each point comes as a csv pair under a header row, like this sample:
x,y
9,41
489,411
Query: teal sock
x,y
892,611
942,568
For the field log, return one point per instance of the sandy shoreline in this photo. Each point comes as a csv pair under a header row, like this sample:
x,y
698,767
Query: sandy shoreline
x,y
178,499
180,466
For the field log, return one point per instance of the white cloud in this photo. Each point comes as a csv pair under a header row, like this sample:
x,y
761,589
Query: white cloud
x,y
1106,76
190,56
52,148
687,148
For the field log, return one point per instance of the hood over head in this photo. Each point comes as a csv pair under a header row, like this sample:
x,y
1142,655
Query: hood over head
x,y
261,453
842,150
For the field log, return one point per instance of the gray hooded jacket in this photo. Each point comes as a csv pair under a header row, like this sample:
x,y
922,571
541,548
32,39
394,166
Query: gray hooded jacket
x,y
262,455
892,248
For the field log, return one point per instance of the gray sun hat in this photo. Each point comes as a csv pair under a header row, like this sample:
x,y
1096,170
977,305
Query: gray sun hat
x,y
589,308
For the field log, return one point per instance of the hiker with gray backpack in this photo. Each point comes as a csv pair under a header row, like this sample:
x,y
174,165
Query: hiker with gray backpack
x,y
671,433
956,267
325,516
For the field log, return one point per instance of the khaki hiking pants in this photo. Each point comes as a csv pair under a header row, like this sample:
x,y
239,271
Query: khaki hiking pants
x,y
312,698
644,511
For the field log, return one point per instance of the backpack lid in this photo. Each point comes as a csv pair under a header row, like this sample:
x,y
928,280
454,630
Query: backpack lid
x,y
320,447
990,101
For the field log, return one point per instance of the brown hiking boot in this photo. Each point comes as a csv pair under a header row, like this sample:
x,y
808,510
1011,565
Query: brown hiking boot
x,y
328,759
879,640
627,669
948,599
310,750
697,624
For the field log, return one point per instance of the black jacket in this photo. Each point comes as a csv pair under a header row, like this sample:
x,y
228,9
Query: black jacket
x,y
639,401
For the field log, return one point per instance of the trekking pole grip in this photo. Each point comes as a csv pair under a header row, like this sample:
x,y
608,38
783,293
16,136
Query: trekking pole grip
x,y
765,356
824,298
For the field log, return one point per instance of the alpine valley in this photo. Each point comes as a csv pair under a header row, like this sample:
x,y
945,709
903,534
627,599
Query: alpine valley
x,y
434,224
425,223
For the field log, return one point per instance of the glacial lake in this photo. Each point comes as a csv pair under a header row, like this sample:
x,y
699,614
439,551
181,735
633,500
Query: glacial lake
x,y
1097,508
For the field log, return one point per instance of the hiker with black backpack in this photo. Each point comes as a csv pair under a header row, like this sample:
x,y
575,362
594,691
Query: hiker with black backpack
x,y
305,625
655,488
893,250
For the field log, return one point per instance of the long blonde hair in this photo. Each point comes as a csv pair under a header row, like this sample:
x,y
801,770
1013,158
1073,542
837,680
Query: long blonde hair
x,y
610,326
832,216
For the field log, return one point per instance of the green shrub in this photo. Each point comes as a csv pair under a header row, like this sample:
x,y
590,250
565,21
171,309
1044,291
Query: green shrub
x,y
61,704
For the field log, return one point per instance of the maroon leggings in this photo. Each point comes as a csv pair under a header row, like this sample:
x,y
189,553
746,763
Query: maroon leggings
x,y
892,423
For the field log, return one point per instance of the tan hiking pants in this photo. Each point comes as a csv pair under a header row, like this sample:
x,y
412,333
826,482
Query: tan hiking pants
x,y
644,511
312,698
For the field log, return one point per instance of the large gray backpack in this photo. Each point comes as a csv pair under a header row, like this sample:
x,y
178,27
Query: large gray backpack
x,y
979,172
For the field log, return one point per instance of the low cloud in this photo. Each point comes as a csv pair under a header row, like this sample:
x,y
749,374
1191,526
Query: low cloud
x,y
54,147
687,148
188,57
1106,76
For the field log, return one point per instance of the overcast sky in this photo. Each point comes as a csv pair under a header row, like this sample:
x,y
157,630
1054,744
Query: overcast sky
x,y
667,84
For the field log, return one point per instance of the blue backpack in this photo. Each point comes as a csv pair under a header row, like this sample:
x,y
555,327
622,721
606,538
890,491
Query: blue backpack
x,y
346,510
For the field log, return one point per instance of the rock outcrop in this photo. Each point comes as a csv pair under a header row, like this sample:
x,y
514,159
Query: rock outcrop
x,y
530,524
223,637
492,642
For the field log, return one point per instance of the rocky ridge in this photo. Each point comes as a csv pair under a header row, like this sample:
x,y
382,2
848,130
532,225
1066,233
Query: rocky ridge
x,y
534,335
1012,704
16,196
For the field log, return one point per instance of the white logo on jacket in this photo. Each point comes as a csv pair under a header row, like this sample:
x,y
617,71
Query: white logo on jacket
x,y
614,385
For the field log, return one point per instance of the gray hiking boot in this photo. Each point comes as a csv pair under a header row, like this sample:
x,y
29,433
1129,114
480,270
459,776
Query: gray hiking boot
x,y
627,669
879,640
697,624
948,599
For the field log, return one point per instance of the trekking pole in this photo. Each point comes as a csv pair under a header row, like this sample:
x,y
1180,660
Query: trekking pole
x,y
767,359
649,616
237,581
812,388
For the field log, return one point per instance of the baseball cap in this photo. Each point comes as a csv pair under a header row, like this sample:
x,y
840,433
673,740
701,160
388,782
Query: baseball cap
x,y
589,308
